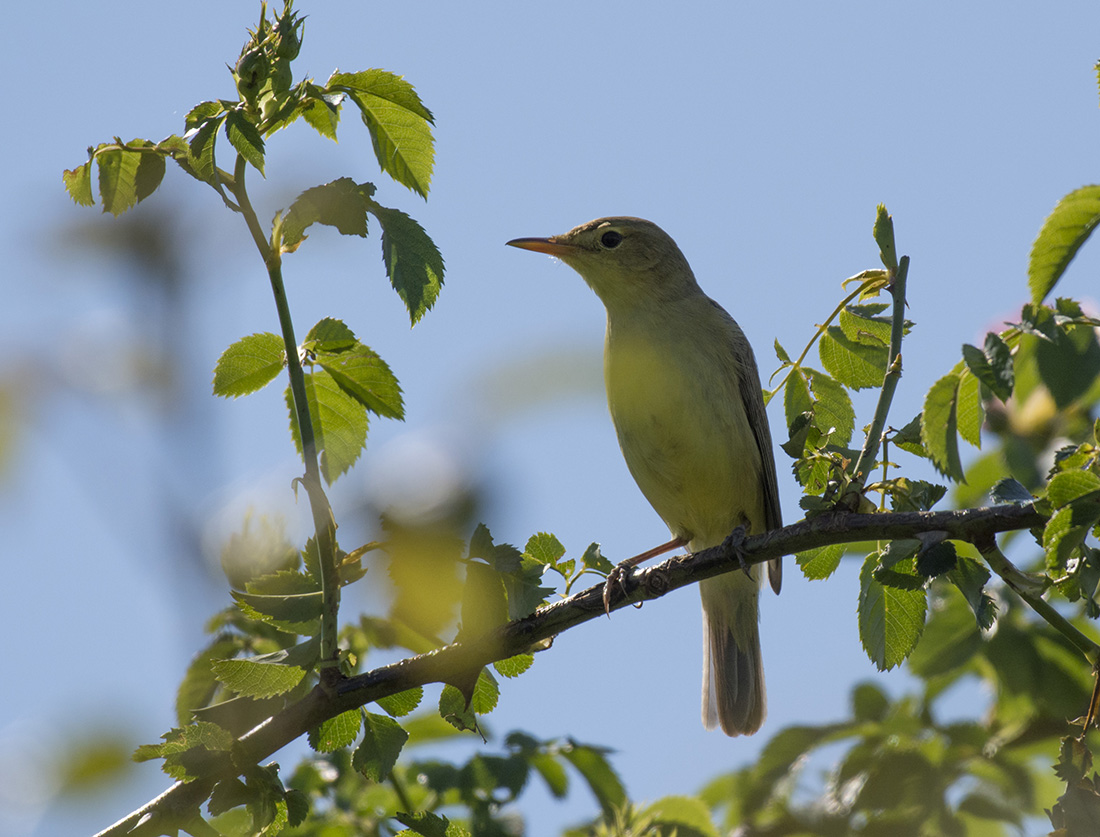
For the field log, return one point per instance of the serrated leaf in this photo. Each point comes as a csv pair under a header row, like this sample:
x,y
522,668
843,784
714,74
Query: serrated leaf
x,y
890,619
1010,490
971,577
322,112
854,364
201,113
1069,486
939,426
367,378
330,335
514,666
399,124
382,741
896,551
198,684
821,562
413,262
970,412
249,364
78,183
245,137
1066,531
402,703
340,423
486,693
593,559
453,709
862,323
833,411
127,176
544,548
781,353
341,204
1067,227
796,396
296,613
201,162
267,675
336,732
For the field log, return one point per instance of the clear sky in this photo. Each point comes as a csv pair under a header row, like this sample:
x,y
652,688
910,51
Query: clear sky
x,y
760,136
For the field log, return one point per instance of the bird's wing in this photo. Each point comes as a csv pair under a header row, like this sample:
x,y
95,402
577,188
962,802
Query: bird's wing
x,y
752,399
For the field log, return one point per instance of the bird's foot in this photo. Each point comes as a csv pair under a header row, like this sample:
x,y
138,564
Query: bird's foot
x,y
733,543
618,574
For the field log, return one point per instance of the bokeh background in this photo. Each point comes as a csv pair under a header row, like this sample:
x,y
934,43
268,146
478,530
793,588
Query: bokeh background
x,y
760,136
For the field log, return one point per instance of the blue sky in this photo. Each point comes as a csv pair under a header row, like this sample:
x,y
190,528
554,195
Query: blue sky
x,y
761,137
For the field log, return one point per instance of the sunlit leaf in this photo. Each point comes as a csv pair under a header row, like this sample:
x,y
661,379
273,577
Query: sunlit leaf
x,y
249,364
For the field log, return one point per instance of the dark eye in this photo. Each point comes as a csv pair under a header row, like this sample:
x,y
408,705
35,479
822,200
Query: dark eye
x,y
611,239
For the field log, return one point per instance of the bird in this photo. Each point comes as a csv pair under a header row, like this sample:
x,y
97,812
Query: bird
x,y
685,398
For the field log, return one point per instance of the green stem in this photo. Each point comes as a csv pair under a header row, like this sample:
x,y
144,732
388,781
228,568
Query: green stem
x,y
890,382
1023,586
323,522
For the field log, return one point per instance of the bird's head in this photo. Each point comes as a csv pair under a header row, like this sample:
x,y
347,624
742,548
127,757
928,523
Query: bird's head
x,y
626,261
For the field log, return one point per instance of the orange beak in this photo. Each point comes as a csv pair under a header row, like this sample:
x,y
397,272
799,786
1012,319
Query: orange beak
x,y
542,245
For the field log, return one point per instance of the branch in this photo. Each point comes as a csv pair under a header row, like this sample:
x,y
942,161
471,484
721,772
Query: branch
x,y
456,662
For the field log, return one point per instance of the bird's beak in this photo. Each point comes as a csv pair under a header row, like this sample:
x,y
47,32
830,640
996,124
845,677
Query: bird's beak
x,y
542,245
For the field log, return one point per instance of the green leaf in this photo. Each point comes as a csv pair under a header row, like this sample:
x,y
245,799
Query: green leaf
x,y
269,674
414,265
833,411
897,551
597,772
330,335
1070,363
862,324
1002,372
971,577
201,161
295,613
249,364
552,773
367,378
399,124
1069,486
594,560
781,353
339,423
382,741
78,183
890,619
883,232
486,693
453,709
402,703
428,824
970,412
336,732
514,666
855,364
484,601
544,548
127,176
341,204
199,684
821,562
939,426
322,111
245,137
1010,490
796,396
1063,232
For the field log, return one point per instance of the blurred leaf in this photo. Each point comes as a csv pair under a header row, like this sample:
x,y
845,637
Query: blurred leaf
x,y
1063,232
686,816
1010,490
249,364
1069,364
597,772
484,601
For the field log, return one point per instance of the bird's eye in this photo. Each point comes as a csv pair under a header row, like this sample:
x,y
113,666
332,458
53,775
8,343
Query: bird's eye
x,y
611,239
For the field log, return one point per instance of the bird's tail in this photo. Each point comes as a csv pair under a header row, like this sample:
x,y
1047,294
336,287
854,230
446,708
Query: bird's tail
x,y
733,671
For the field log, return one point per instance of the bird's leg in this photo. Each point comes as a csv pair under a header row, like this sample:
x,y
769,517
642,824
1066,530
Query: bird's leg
x,y
618,574
733,542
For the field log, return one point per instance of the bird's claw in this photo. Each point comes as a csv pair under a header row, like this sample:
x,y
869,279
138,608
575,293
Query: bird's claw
x,y
733,543
616,576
